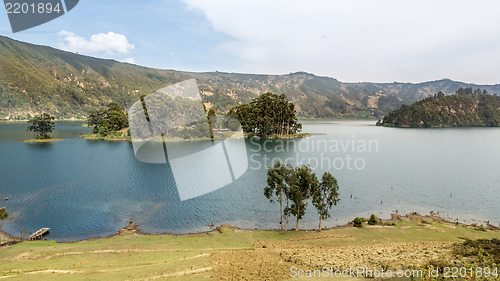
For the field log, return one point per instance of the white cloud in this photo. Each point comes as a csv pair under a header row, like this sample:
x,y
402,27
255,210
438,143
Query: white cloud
x,y
353,40
108,43
129,60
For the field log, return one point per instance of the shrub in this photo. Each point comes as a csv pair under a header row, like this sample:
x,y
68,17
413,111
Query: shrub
x,y
481,228
358,222
3,213
372,220
104,131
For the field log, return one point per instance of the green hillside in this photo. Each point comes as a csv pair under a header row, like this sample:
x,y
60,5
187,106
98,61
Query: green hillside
x,y
459,110
36,79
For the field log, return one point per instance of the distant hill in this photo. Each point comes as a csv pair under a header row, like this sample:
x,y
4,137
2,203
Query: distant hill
x,y
36,79
459,110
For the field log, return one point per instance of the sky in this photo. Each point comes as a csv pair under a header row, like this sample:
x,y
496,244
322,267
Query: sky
x,y
350,40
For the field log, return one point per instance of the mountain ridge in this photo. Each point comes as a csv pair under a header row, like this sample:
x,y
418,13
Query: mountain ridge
x,y
36,79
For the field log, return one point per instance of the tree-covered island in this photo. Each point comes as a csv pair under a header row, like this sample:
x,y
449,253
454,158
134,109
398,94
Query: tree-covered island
x,y
109,124
42,125
466,108
268,116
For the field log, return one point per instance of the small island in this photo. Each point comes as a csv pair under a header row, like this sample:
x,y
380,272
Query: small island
x,y
108,124
268,116
43,125
466,108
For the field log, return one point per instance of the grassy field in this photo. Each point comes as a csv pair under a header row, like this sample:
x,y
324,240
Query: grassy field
x,y
226,254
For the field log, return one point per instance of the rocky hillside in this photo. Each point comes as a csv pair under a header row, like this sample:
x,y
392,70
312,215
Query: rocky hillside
x,y
36,79
459,110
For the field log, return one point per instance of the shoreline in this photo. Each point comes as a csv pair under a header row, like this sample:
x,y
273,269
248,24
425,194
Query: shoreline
x,y
245,135
298,117
42,140
132,229
26,120
413,216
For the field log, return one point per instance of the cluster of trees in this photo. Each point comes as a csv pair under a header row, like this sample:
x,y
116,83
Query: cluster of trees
x,y
107,120
42,125
467,108
469,91
266,115
293,188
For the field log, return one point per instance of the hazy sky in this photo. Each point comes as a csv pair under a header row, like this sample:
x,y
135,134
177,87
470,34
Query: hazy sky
x,y
351,40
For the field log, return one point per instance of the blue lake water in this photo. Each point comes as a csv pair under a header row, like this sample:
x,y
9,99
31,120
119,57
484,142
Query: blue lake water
x,y
84,188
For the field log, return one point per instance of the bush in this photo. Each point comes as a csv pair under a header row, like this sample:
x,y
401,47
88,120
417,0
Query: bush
x,y
481,228
104,131
372,220
358,222
425,222
3,213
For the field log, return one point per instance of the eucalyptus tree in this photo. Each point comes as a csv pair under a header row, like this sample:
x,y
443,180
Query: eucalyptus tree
x,y
268,114
278,189
326,196
304,184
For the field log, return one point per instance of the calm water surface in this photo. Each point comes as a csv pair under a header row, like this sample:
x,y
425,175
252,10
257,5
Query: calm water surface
x,y
82,188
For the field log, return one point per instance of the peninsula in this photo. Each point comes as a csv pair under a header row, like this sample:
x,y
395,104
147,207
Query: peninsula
x,y
466,108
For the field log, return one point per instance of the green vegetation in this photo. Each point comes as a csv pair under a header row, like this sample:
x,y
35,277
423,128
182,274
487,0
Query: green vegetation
x,y
372,220
3,214
294,187
267,115
108,124
42,125
326,196
304,183
358,222
467,108
278,189
107,120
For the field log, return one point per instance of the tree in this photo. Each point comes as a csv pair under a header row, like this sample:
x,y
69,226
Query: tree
x,y
326,196
113,106
304,184
278,188
211,113
268,114
211,118
106,120
42,125
117,120
95,118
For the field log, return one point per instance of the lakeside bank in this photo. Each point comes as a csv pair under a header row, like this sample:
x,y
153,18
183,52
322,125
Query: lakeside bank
x,y
133,228
122,136
228,253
